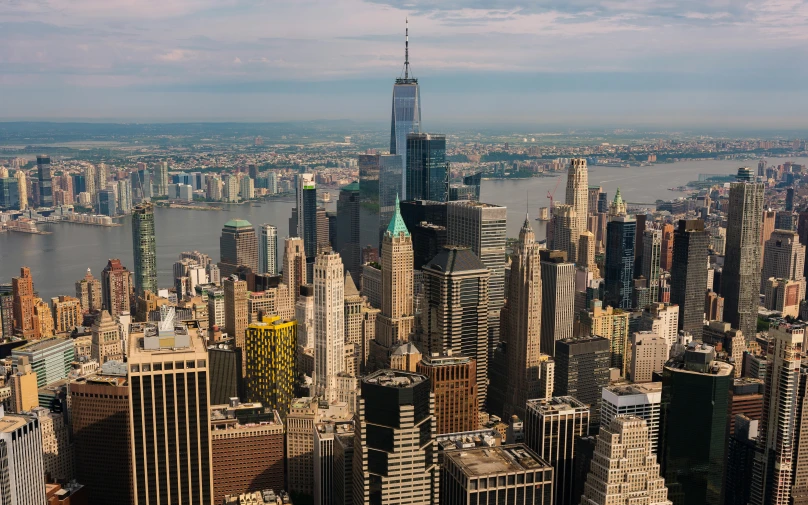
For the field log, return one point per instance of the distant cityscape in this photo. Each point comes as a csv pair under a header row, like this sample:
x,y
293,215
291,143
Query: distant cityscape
x,y
644,351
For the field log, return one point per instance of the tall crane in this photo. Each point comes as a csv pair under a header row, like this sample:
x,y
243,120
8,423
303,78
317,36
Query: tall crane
x,y
550,195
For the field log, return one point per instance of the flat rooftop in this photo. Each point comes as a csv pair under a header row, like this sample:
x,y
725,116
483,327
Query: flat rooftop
x,y
636,389
40,345
10,423
557,404
394,378
505,459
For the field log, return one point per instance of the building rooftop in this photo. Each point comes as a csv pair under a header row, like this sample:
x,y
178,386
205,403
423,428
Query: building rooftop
x,y
635,389
487,461
444,359
557,404
40,345
467,439
238,223
10,423
455,259
394,378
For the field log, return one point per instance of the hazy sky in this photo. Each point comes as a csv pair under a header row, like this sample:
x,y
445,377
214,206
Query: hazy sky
x,y
620,62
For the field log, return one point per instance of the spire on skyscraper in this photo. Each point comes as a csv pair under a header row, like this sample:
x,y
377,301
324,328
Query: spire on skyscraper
x,y
397,225
406,47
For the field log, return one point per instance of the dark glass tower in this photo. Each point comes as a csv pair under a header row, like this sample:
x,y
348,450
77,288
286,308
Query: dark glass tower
x,y
307,214
9,193
144,248
45,181
621,232
582,371
406,116
348,231
689,274
427,170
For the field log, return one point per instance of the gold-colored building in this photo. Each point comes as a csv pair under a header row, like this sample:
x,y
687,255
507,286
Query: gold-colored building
x,y
270,352
66,313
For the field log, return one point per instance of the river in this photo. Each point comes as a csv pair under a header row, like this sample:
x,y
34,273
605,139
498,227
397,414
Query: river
x,y
58,260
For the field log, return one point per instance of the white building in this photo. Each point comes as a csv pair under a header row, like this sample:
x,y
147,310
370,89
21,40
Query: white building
x,y
641,400
268,250
329,318
21,464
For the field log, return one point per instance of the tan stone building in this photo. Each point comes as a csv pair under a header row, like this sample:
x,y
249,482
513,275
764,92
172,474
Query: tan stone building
x,y
106,339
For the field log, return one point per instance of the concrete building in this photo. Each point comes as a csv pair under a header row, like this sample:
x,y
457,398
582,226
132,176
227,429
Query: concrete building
x,y
611,324
268,250
729,340
557,298
21,460
50,359
649,352
117,289
663,320
582,370
329,318
237,314
577,197
23,385
57,445
784,258
88,291
327,478
453,381
22,289
638,400
66,313
238,246
294,265
106,339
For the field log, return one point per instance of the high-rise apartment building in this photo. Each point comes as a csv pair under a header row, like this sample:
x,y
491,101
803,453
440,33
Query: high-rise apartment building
x,y
577,196
160,180
624,469
268,250
613,325
695,392
453,381
455,311
639,400
551,427
306,198
22,189
66,313
237,314
294,265
481,227
563,220
582,370
773,470
740,278
557,298
21,460
45,179
238,246
348,229
395,458
427,170
648,352
329,318
784,258
271,352
144,248
22,289
619,265
689,274
117,290
406,115
396,319
169,414
88,291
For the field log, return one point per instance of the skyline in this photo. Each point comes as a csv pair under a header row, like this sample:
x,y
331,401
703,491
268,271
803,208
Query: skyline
x,y
690,64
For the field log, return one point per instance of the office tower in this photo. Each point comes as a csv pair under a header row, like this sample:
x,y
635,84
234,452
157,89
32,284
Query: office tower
x,y
236,315
370,191
294,265
50,358
329,318
271,350
453,382
639,244
689,274
666,249
740,281
144,248
551,427
124,196
396,319
160,180
66,313
300,445
799,490
343,466
372,283
661,319
522,319
268,250
107,203
745,398
406,116
619,264
246,188
740,461
731,341
624,470
224,365
638,400
512,473
353,314
43,166
449,320
22,289
395,460
116,287
88,291
649,266
6,311
23,385
713,306
784,258
481,227
169,413
391,176
578,198
100,421
427,171
557,298
21,460
563,219
582,370
326,476
323,230
773,471
304,314
649,352
238,246
586,254
247,444
306,198
9,193
611,324
22,189
106,339
695,392
348,228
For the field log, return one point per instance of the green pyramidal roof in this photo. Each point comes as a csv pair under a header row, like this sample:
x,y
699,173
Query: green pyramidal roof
x,y
354,186
618,198
397,225
238,223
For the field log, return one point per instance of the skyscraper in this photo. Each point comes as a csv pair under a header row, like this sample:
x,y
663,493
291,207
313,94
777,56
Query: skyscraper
x,y
427,170
238,246
88,291
169,414
395,458
582,371
22,289
348,229
395,322
557,299
306,198
481,227
650,264
453,381
116,288
406,115
22,188
619,264
740,279
43,165
689,274
21,460
271,349
391,175
236,314
144,248
784,258
160,180
578,198
106,339
294,265
773,470
268,250
641,400
329,319
455,309
624,469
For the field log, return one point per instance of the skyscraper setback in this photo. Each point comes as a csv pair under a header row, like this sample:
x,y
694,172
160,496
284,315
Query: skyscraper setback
x,y
406,115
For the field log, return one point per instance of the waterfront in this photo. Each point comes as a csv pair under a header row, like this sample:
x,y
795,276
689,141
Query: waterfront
x,y
59,259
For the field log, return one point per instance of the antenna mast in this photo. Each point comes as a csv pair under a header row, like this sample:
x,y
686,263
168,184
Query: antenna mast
x,y
406,48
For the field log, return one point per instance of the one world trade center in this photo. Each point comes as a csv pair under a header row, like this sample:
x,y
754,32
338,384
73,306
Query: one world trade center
x,y
406,113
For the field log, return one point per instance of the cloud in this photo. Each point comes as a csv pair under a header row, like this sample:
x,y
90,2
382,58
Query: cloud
x,y
174,55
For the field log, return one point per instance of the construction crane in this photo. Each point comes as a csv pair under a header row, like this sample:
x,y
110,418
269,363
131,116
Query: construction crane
x,y
550,195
